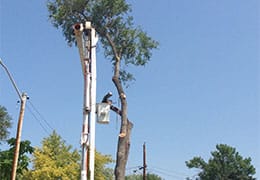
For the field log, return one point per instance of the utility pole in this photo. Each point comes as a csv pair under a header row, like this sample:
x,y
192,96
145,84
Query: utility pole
x,y
144,162
86,41
23,99
18,135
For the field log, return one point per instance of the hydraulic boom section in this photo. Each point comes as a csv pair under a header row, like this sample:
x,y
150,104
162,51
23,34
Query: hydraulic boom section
x,y
86,41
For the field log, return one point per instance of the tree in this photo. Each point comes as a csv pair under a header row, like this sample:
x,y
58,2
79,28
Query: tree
x,y
123,43
5,123
56,160
140,177
101,171
6,159
225,164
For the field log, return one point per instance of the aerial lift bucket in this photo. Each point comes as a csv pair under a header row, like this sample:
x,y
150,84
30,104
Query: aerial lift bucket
x,y
103,110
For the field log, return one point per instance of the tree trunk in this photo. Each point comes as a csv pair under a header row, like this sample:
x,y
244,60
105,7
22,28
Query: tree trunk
x,y
127,145
124,136
123,145
123,148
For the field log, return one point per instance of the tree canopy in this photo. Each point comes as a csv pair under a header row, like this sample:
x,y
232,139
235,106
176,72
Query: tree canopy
x,y
225,164
140,177
101,171
5,123
56,160
111,19
6,159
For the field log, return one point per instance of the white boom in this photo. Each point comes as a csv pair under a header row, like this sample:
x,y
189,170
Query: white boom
x,y
86,41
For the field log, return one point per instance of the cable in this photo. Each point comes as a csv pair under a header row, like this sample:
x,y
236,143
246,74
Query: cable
x,y
37,120
40,119
166,174
134,167
41,116
137,170
162,171
169,171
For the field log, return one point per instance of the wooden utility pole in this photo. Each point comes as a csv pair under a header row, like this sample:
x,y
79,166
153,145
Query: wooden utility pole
x,y
23,97
18,135
144,162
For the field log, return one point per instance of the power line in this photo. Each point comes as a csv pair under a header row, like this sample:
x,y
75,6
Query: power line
x,y
166,173
45,125
132,168
41,116
170,171
35,117
158,170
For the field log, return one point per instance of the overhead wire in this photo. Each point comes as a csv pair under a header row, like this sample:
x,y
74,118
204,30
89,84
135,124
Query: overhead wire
x,y
134,169
172,174
131,168
45,125
41,116
38,117
41,119
169,171
49,127
38,120
166,173
160,171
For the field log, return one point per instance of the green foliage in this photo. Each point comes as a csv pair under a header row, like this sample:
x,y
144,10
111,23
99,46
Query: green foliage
x,y
101,171
54,160
140,177
5,123
225,164
119,37
6,159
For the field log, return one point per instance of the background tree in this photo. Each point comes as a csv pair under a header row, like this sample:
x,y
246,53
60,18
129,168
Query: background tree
x,y
123,43
56,160
6,159
5,123
225,164
140,177
101,171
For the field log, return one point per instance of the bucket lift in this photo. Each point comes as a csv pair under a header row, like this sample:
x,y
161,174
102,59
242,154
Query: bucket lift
x,y
103,110
87,39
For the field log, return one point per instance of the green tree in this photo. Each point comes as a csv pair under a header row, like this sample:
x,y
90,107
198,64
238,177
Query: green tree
x,y
140,177
101,171
54,160
5,123
123,43
6,159
225,164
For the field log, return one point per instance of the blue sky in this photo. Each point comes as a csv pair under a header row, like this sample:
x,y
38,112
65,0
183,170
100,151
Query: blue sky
x,y
200,89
